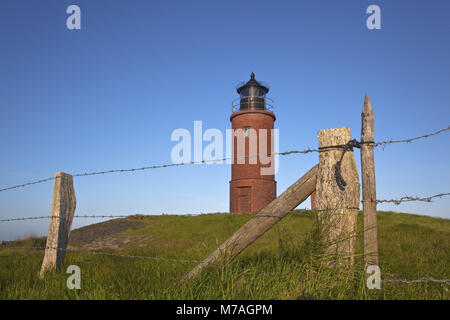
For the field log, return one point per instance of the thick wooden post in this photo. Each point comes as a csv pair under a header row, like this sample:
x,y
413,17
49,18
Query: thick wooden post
x,y
263,221
63,210
337,202
368,184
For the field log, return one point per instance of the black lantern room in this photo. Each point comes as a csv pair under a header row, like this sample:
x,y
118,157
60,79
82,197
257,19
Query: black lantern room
x,y
253,96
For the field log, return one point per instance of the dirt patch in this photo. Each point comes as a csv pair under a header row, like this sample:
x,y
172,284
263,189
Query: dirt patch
x,y
95,232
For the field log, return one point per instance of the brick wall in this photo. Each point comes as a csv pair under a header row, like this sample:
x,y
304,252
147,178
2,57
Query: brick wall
x,y
251,191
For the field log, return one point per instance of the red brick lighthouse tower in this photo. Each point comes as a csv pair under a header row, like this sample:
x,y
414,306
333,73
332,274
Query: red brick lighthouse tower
x,y
252,184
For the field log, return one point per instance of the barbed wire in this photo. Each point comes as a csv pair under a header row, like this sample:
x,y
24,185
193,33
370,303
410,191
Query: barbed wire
x,y
383,143
395,201
421,280
24,218
137,257
105,216
409,198
163,166
57,217
27,184
304,151
424,279
101,253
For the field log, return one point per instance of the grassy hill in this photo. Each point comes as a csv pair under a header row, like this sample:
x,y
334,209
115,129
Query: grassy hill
x,y
285,263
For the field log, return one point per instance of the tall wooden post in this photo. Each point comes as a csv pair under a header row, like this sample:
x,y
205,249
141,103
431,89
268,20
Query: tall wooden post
x,y
63,210
263,221
368,184
337,201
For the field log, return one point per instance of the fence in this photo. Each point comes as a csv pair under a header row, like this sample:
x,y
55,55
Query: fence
x,y
63,206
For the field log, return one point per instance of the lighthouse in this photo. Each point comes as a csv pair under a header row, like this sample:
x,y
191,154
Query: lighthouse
x,y
252,185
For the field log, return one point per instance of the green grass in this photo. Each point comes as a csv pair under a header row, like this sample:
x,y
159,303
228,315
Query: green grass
x,y
285,263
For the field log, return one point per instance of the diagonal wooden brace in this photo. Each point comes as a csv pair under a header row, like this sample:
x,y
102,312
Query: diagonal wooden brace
x,y
263,221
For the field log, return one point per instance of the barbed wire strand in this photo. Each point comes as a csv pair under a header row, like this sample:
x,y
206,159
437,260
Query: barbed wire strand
x,y
102,253
304,151
27,184
383,143
163,166
76,216
395,201
24,218
421,280
424,279
409,198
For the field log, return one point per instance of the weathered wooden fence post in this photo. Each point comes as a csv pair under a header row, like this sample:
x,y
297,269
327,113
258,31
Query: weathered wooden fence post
x,y
263,221
338,193
368,184
63,210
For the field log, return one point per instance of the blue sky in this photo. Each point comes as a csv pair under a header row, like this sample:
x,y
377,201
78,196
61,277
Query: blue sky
x,y
109,96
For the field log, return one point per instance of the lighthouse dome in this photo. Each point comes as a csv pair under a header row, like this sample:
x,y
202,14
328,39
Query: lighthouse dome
x,y
252,88
252,96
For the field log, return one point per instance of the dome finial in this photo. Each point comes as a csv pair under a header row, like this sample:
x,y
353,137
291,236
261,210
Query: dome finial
x,y
252,75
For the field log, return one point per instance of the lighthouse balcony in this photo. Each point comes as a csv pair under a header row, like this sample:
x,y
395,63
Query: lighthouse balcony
x,y
252,103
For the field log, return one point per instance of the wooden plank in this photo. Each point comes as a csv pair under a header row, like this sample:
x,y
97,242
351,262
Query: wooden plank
x,y
368,184
337,203
63,210
263,221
